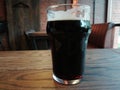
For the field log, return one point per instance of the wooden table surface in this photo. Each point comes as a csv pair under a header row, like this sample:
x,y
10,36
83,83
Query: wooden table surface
x,y
32,70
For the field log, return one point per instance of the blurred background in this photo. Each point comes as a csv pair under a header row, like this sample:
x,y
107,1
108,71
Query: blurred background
x,y
18,16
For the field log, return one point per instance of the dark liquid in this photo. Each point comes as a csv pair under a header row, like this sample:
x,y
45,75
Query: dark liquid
x,y
68,42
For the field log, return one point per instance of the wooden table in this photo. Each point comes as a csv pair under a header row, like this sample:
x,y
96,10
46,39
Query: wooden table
x,y
32,70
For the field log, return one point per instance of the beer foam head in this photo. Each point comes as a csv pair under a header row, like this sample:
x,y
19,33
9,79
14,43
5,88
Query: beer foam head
x,y
75,13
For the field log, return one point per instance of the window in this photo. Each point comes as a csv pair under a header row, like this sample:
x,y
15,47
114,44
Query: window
x,y
114,16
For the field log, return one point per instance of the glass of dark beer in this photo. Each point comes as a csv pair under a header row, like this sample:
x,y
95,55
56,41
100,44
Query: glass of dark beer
x,y
68,28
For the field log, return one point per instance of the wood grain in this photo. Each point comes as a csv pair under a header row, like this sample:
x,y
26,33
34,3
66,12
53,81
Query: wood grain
x,y
32,70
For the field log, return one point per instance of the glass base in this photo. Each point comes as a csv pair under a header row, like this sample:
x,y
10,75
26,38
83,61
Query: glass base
x,y
66,82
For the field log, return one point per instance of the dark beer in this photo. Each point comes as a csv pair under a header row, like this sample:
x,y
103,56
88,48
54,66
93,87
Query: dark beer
x,y
68,43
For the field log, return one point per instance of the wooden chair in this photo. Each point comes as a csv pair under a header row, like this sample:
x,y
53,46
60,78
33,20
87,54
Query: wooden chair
x,y
37,40
102,36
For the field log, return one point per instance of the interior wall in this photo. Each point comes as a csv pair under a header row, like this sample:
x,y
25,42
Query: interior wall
x,y
100,6
2,11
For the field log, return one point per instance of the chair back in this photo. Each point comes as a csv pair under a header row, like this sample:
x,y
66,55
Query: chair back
x,y
101,35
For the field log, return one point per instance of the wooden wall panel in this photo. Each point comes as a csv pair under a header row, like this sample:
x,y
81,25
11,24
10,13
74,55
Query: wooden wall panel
x,y
22,15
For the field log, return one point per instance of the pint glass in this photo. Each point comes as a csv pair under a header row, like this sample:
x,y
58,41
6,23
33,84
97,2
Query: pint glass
x,y
68,28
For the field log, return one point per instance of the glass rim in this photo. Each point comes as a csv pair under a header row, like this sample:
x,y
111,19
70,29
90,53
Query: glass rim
x,y
70,4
